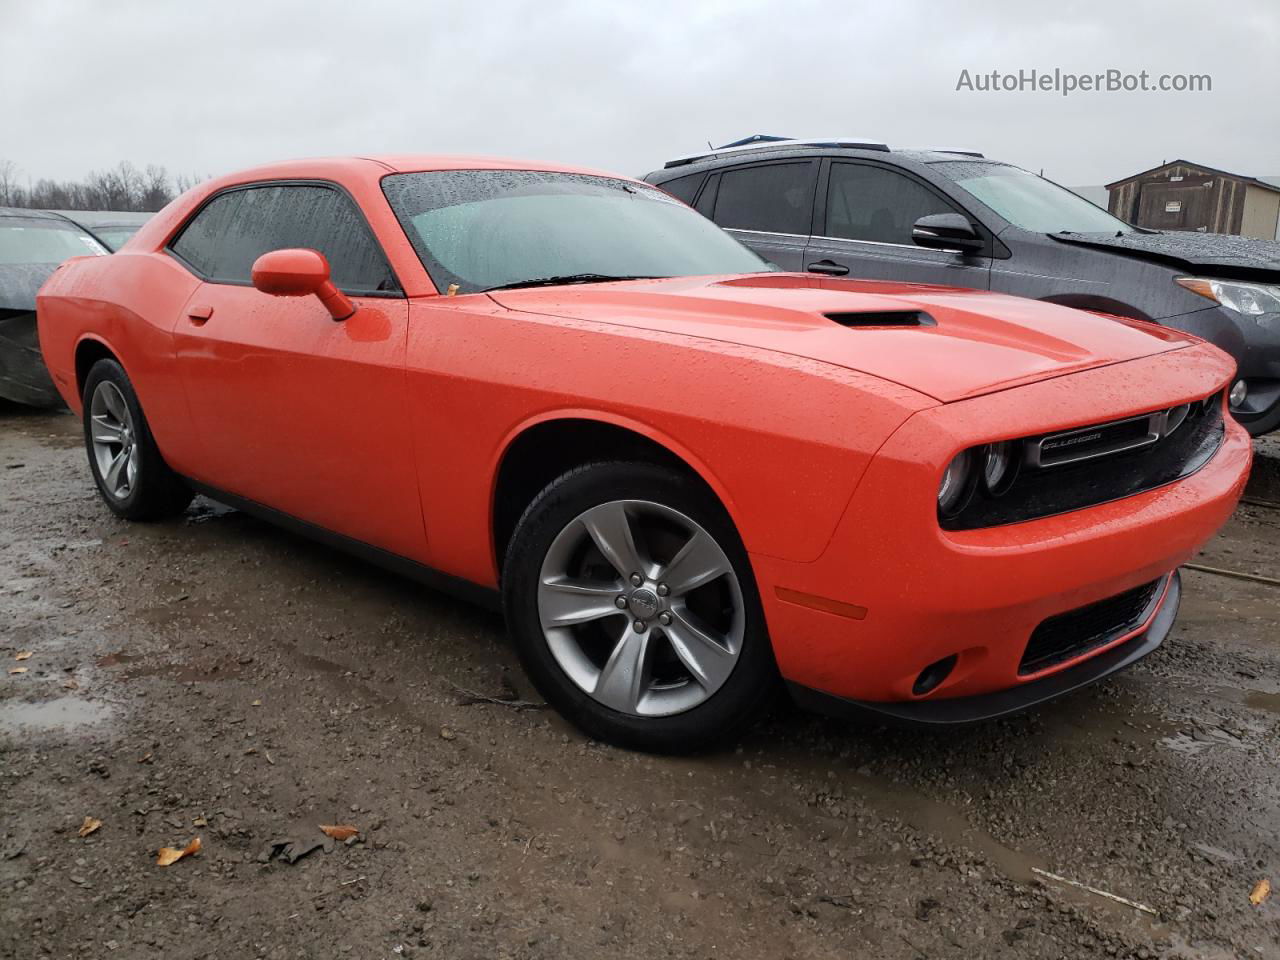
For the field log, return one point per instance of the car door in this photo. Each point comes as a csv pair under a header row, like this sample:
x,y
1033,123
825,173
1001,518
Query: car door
x,y
767,205
293,410
863,229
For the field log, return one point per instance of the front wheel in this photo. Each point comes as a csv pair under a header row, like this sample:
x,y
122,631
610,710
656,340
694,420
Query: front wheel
x,y
131,475
633,608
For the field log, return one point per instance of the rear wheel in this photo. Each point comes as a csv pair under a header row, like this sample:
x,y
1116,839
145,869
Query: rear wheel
x,y
131,475
633,608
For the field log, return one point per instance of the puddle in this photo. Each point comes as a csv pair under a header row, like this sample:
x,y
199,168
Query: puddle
x,y
117,658
1197,742
51,716
944,821
187,672
1262,701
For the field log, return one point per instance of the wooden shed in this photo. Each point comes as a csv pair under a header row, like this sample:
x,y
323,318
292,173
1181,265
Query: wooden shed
x,y
1190,196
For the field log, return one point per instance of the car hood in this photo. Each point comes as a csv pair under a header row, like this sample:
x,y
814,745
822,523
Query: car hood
x,y
1207,252
19,283
969,342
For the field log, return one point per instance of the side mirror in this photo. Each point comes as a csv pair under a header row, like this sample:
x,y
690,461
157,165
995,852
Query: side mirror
x,y
947,231
300,273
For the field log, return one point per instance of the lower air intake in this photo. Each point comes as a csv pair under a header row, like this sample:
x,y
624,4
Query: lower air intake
x,y
1075,632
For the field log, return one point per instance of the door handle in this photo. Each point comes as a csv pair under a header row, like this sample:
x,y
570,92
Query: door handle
x,y
200,314
828,267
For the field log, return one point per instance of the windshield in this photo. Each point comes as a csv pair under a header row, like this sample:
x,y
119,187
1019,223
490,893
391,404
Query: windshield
x,y
43,241
479,229
115,236
1031,202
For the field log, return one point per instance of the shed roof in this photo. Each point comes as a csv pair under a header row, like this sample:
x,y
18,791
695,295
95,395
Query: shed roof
x,y
1254,181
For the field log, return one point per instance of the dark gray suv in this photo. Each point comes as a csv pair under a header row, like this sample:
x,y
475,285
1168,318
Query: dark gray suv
x,y
858,209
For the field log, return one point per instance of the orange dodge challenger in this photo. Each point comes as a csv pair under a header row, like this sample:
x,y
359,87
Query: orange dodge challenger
x,y
683,475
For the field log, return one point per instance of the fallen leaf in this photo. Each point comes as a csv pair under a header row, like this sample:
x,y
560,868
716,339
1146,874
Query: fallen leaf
x,y
256,703
70,684
340,831
1261,891
446,733
169,855
23,655
13,670
145,758
250,750
199,822
89,826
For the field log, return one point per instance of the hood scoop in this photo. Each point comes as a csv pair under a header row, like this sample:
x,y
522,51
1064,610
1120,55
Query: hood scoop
x,y
883,318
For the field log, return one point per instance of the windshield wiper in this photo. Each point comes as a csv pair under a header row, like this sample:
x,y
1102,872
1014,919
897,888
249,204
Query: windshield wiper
x,y
566,279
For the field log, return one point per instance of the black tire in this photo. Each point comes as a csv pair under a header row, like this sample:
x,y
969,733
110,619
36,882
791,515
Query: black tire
x,y
715,722
157,491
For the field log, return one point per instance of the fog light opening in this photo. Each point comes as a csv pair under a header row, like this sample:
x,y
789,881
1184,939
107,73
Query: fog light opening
x,y
1239,393
931,677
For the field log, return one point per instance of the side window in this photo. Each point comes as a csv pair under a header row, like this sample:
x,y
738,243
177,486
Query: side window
x,y
684,188
872,203
233,230
326,220
773,197
707,199
198,242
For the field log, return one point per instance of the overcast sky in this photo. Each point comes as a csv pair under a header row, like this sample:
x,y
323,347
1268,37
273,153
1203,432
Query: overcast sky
x,y
207,87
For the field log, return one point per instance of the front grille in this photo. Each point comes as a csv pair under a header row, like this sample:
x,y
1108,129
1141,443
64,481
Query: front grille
x,y
1090,466
1075,632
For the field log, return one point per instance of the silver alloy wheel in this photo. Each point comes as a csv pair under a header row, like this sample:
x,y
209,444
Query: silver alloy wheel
x,y
111,432
641,608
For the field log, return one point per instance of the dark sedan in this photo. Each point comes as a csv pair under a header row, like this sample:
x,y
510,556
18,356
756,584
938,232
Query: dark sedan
x,y
32,244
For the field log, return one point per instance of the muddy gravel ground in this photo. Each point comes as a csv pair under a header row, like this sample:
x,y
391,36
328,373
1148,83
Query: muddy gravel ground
x,y
215,677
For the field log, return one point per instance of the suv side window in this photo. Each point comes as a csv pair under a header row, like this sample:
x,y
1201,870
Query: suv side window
x,y
233,230
684,188
872,203
770,197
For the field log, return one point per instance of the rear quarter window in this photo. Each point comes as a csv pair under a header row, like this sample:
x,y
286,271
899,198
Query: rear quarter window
x,y
684,188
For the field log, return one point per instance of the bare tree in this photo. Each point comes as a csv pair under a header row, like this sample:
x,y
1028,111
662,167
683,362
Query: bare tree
x,y
123,187
8,183
156,192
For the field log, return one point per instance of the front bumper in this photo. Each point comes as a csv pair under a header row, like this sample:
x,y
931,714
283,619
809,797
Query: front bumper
x,y
1254,342
1122,652
894,593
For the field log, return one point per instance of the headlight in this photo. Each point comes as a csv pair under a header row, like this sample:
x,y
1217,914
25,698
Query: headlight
x,y
1251,299
956,485
999,467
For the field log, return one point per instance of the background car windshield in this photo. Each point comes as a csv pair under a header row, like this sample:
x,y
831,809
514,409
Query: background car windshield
x,y
115,237
43,241
485,228
1031,202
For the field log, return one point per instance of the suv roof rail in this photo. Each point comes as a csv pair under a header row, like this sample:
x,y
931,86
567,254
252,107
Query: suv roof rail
x,y
959,153
761,141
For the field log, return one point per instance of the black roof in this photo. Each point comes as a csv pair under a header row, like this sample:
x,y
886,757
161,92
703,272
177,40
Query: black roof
x,y
768,148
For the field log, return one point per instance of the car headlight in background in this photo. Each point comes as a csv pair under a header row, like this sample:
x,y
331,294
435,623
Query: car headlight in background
x,y
1239,393
1251,299
957,484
